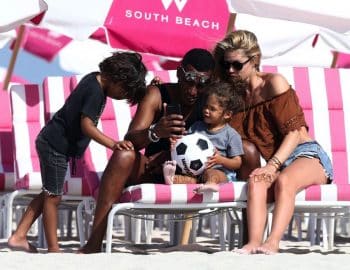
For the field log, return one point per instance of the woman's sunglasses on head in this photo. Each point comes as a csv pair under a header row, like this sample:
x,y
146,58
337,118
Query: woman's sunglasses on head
x,y
236,65
195,77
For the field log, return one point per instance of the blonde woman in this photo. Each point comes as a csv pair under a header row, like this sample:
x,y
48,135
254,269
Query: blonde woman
x,y
272,120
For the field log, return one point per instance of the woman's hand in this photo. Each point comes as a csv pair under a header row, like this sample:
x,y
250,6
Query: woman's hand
x,y
123,145
267,174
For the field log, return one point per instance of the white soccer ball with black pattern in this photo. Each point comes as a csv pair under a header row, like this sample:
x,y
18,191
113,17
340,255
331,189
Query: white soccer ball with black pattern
x,y
191,153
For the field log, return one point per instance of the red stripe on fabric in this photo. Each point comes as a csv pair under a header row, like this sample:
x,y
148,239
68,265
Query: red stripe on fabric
x,y
73,82
313,193
163,193
343,192
47,100
302,87
6,147
191,196
337,126
162,74
125,197
33,114
226,193
66,87
270,69
136,195
2,181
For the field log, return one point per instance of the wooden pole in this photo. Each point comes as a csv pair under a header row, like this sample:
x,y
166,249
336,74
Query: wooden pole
x,y
231,23
186,230
16,48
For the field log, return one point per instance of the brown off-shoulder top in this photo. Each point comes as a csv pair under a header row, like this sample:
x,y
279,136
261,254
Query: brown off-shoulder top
x,y
265,124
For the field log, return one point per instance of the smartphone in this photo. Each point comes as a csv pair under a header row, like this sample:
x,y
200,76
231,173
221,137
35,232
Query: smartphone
x,y
173,109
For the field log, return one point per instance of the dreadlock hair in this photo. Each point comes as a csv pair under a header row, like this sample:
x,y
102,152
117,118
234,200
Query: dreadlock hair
x,y
126,68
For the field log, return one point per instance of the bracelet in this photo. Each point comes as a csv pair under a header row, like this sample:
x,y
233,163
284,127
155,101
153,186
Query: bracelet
x,y
152,136
275,162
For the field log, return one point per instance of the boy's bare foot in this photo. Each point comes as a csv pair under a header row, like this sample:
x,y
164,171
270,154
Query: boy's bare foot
x,y
246,249
169,168
206,187
268,248
20,244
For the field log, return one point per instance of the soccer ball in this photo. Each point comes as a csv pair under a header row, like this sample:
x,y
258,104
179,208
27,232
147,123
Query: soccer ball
x,y
191,153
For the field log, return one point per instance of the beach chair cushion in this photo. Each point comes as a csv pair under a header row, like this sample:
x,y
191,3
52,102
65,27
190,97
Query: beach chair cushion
x,y
182,194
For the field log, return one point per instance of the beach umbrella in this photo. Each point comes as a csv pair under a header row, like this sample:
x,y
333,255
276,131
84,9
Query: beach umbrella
x,y
160,27
295,31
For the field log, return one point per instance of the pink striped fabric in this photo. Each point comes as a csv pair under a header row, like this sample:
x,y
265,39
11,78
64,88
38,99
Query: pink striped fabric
x,y
27,119
182,193
6,146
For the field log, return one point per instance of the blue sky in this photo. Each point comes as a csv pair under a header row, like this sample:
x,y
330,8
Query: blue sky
x,y
30,67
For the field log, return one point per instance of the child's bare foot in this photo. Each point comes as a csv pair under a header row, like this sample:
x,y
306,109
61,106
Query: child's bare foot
x,y
268,248
169,168
20,244
247,249
206,187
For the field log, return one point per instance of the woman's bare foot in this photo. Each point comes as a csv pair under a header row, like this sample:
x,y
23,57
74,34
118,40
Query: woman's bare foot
x,y
206,187
247,249
169,168
20,244
268,248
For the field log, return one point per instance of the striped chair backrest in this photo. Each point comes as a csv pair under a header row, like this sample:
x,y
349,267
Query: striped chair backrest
x,y
324,95
27,120
6,144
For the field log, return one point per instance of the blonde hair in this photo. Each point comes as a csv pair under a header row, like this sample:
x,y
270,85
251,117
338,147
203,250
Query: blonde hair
x,y
242,40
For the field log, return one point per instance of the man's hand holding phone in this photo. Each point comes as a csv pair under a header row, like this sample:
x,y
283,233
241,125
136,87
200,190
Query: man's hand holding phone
x,y
175,119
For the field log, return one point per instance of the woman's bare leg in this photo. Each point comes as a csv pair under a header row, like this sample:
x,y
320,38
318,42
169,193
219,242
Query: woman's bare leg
x,y
50,220
250,161
18,240
302,173
258,196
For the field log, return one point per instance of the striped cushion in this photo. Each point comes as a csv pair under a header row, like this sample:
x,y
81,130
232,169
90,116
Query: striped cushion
x,y
182,194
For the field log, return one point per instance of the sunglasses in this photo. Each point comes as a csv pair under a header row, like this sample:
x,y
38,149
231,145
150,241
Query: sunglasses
x,y
194,77
236,65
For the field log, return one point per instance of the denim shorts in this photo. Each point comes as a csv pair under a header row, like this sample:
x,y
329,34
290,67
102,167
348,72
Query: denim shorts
x,y
53,166
312,150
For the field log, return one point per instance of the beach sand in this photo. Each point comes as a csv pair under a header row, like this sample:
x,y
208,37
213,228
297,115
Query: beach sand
x,y
204,254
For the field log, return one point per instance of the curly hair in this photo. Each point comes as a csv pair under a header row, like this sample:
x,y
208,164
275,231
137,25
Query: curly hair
x,y
230,95
126,68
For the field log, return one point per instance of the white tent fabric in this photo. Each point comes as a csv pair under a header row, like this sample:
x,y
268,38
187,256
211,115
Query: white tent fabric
x,y
286,29
16,12
331,14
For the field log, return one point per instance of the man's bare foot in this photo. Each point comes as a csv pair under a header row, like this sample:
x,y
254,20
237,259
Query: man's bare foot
x,y
169,168
20,244
268,248
206,187
247,249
